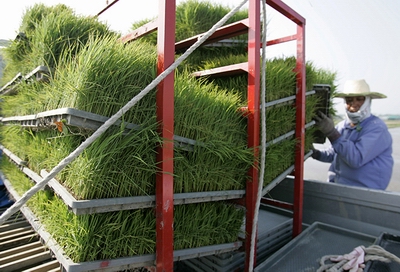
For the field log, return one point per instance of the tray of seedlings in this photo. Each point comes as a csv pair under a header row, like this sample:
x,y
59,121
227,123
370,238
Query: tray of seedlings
x,y
90,206
40,73
121,240
100,227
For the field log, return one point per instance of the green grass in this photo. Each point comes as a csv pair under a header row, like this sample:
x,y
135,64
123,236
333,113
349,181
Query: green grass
x,y
126,233
194,17
48,33
392,123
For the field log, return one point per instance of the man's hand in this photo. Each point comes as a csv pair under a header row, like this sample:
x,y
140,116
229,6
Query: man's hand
x,y
316,154
327,127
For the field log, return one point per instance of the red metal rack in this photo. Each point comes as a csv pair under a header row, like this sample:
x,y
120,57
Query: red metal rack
x,y
165,101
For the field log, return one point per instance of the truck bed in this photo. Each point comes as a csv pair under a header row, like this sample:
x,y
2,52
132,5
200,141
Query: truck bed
x,y
337,219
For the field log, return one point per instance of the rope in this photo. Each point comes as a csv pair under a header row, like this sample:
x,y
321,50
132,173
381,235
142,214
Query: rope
x,y
355,261
263,138
377,253
63,163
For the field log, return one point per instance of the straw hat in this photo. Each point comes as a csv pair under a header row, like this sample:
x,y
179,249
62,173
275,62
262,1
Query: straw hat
x,y
358,88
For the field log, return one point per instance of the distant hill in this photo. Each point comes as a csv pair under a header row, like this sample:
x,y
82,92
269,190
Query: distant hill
x,y
2,64
4,42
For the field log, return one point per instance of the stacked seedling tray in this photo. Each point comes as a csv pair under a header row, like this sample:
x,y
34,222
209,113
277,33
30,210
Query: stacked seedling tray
x,y
106,264
99,213
305,251
64,118
274,231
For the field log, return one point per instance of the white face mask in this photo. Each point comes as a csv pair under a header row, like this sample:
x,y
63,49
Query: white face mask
x,y
362,114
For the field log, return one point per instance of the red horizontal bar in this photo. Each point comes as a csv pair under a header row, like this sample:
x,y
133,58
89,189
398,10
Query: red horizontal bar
x,y
225,32
287,11
140,32
107,7
277,203
229,70
281,40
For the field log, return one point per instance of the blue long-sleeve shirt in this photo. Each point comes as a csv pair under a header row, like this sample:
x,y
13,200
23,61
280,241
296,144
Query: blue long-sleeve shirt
x,y
362,155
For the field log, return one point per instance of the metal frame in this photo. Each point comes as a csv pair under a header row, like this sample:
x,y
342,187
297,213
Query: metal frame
x,y
166,53
253,122
165,115
300,109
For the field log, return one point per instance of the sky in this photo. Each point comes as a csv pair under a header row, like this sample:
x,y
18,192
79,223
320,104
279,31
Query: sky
x,y
357,39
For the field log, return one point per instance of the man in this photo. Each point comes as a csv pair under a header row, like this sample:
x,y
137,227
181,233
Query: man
x,y
361,151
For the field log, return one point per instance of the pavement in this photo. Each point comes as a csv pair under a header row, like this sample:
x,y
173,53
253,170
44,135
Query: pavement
x,y
316,170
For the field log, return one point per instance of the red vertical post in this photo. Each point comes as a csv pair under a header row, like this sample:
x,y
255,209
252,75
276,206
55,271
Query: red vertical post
x,y
300,131
165,116
300,111
253,127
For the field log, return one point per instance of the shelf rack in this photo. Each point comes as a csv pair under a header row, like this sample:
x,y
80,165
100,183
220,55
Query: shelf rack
x,y
166,46
91,206
251,26
86,121
40,73
119,264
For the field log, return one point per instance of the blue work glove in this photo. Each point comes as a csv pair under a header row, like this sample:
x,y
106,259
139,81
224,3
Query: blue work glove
x,y
327,127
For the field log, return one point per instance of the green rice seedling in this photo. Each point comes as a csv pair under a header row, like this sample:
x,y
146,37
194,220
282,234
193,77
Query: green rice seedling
x,y
226,59
130,233
117,164
21,183
205,170
309,138
45,33
220,159
88,237
279,157
64,32
236,84
312,102
35,14
280,79
328,77
48,148
19,180
39,149
104,77
203,113
30,99
205,224
127,233
280,119
13,138
194,17
101,236
94,81
280,76
206,57
22,47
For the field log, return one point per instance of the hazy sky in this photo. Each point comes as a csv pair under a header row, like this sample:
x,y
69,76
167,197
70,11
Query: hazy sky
x,y
355,38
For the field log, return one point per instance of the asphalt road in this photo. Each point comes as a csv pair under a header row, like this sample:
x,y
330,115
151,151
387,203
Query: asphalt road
x,y
315,170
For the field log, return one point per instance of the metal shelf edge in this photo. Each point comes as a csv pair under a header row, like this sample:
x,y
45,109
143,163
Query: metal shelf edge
x,y
121,203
